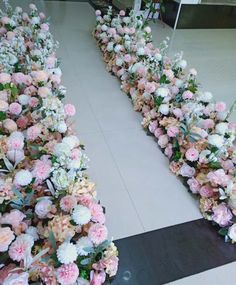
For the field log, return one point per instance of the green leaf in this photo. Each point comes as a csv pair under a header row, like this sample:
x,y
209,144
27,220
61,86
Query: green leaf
x,y
3,115
214,165
223,231
86,261
52,240
163,79
158,100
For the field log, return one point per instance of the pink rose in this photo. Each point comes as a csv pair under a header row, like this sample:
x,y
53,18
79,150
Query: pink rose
x,y
43,208
22,122
10,125
206,191
220,106
158,132
163,141
67,203
97,213
40,76
33,102
15,108
44,92
127,58
178,113
44,27
194,185
172,131
187,171
222,215
6,237
192,154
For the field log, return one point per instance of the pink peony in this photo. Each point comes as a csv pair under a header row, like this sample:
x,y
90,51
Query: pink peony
x,y
97,213
43,208
5,78
15,108
67,274
21,247
69,110
14,218
150,87
15,143
206,191
33,132
97,233
17,279
194,185
220,106
192,154
222,215
67,203
6,237
172,131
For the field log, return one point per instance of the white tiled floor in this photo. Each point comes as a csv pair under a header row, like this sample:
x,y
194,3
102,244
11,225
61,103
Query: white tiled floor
x,y
132,176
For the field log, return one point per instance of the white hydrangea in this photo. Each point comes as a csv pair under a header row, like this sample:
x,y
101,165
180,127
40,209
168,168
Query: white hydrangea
x,y
140,51
81,215
23,177
164,109
72,141
83,245
162,91
62,149
182,64
216,140
205,96
67,253
60,179
222,128
61,127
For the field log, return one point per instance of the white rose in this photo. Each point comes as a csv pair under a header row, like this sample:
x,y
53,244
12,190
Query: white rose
x,y
72,141
140,51
221,128
63,148
60,179
119,61
162,91
110,46
43,207
117,48
207,97
104,28
232,232
216,140
179,83
164,109
62,127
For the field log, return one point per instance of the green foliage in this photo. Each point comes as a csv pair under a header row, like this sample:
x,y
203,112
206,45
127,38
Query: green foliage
x,y
158,100
3,115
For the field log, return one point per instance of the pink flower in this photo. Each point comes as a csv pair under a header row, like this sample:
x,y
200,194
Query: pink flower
x,y
20,247
42,16
44,27
33,102
206,191
222,215
187,95
15,155
163,141
33,132
153,126
10,125
97,278
69,110
187,171
220,106
67,203
43,208
192,154
169,150
208,124
17,279
56,79
111,265
15,108
150,87
98,13
3,106
15,143
5,78
40,76
50,61
194,185
14,218
5,271
22,122
122,13
97,213
127,58
97,233
172,131
158,132
44,92
67,274
178,113
6,237
218,177
42,169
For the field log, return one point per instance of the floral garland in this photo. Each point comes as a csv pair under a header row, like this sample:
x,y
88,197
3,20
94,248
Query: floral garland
x,y
51,225
191,128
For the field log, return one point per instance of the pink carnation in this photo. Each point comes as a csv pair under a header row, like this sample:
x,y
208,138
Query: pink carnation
x,y
192,154
67,203
222,215
97,233
172,131
15,108
69,110
97,213
42,169
67,274
20,247
6,237
33,133
220,106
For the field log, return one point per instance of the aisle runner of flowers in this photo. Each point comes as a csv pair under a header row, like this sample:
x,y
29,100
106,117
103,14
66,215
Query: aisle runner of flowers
x,y
191,128
51,225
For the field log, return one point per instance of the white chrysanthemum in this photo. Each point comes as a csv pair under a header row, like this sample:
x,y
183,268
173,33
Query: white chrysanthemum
x,y
81,215
23,177
216,140
162,91
67,253
72,141
164,109
83,245
221,128
62,149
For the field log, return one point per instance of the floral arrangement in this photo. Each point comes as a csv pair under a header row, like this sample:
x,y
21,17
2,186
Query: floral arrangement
x,y
192,130
51,225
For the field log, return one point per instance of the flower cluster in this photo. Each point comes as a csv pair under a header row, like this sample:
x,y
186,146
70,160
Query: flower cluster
x,y
191,128
52,228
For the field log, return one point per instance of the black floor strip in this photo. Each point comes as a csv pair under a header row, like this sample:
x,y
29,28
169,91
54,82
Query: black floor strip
x,y
171,253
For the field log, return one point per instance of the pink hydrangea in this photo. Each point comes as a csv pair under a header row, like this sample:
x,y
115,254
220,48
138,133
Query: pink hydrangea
x,y
69,110
67,203
192,154
67,274
172,131
15,108
97,233
33,132
6,237
222,215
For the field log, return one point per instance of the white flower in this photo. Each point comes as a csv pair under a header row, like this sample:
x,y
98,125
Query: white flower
x,y
43,207
23,177
83,245
221,128
158,56
62,127
82,281
164,109
117,48
216,140
16,278
221,116
179,83
205,96
119,61
62,149
60,179
35,21
140,51
104,28
32,231
182,64
232,232
24,99
15,155
67,253
162,91
110,46
81,215
72,141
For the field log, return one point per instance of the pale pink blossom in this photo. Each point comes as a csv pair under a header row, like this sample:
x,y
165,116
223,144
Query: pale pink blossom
x,y
153,126
6,237
206,191
67,203
69,110
5,78
67,274
21,247
122,13
44,92
97,278
150,87
3,106
33,132
172,131
187,171
97,233
187,95
220,106
192,154
97,213
98,13
17,279
10,125
208,124
169,150
14,218
163,141
222,215
158,132
194,185
218,177
42,169
15,108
